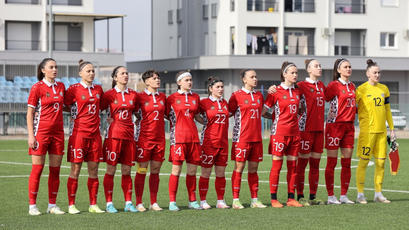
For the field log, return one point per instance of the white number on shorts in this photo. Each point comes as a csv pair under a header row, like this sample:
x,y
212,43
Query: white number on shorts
x,y
140,150
293,108
207,159
77,153
241,151
305,145
111,155
333,141
56,107
187,114
279,147
156,118
179,151
350,102
92,109
220,118
320,101
254,114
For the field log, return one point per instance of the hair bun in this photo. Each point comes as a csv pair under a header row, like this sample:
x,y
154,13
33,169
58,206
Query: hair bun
x,y
211,78
370,62
307,61
80,61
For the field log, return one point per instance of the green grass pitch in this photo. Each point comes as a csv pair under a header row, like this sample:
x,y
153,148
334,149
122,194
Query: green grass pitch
x,y
15,168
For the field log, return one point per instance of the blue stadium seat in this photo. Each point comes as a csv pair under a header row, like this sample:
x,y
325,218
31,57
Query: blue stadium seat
x,y
2,83
26,78
18,79
97,81
33,78
78,79
2,78
73,80
9,83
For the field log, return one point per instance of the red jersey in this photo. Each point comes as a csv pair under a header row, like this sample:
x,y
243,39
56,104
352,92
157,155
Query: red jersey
x,y
341,96
285,105
47,99
216,117
85,107
313,102
246,106
122,105
181,109
151,111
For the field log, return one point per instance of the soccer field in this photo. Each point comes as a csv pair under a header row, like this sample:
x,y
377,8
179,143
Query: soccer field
x,y
15,166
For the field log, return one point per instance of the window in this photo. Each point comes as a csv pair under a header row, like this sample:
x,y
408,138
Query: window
x,y
67,2
179,46
32,2
179,15
205,11
170,17
388,40
22,35
390,2
232,5
214,10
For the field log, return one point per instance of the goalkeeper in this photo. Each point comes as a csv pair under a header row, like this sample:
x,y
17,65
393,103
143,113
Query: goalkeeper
x,y
372,99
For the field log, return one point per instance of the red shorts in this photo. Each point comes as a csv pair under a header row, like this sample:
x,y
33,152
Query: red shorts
x,y
147,151
185,151
339,134
214,156
284,145
51,144
119,150
82,147
251,151
311,142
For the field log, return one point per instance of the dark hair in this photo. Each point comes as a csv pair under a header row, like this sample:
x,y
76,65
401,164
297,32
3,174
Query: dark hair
x,y
114,73
180,73
370,63
148,74
243,73
283,67
82,64
335,74
307,62
40,74
211,81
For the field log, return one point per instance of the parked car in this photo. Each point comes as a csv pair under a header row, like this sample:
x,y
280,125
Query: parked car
x,y
399,120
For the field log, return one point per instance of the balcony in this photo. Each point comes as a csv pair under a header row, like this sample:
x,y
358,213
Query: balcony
x,y
22,45
301,6
350,42
31,2
263,5
67,2
350,7
262,40
299,41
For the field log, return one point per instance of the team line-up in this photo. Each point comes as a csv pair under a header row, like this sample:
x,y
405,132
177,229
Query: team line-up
x,y
296,110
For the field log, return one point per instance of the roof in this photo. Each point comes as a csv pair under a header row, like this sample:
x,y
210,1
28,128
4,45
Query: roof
x,y
93,15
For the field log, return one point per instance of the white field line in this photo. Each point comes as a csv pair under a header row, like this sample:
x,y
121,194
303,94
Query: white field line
x,y
182,175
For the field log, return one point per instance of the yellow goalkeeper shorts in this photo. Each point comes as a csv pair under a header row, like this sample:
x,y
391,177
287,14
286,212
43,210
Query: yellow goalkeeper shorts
x,y
371,144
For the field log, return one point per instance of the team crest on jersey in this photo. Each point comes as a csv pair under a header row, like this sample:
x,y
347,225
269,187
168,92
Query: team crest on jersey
x,y
246,101
146,103
115,102
83,97
177,101
161,102
194,102
212,107
312,90
47,94
284,97
343,91
130,102
97,95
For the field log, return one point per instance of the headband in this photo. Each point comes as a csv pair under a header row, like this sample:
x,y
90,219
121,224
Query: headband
x,y
185,74
214,82
288,66
342,60
308,66
83,64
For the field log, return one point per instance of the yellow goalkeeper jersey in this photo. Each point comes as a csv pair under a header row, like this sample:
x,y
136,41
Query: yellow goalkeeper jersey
x,y
373,108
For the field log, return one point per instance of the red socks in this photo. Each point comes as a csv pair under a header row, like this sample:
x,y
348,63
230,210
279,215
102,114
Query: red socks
x,y
127,187
291,175
275,175
203,187
220,185
53,184
345,175
34,182
153,187
173,187
139,187
252,179
235,184
108,187
191,187
314,174
301,165
329,174
72,185
93,190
